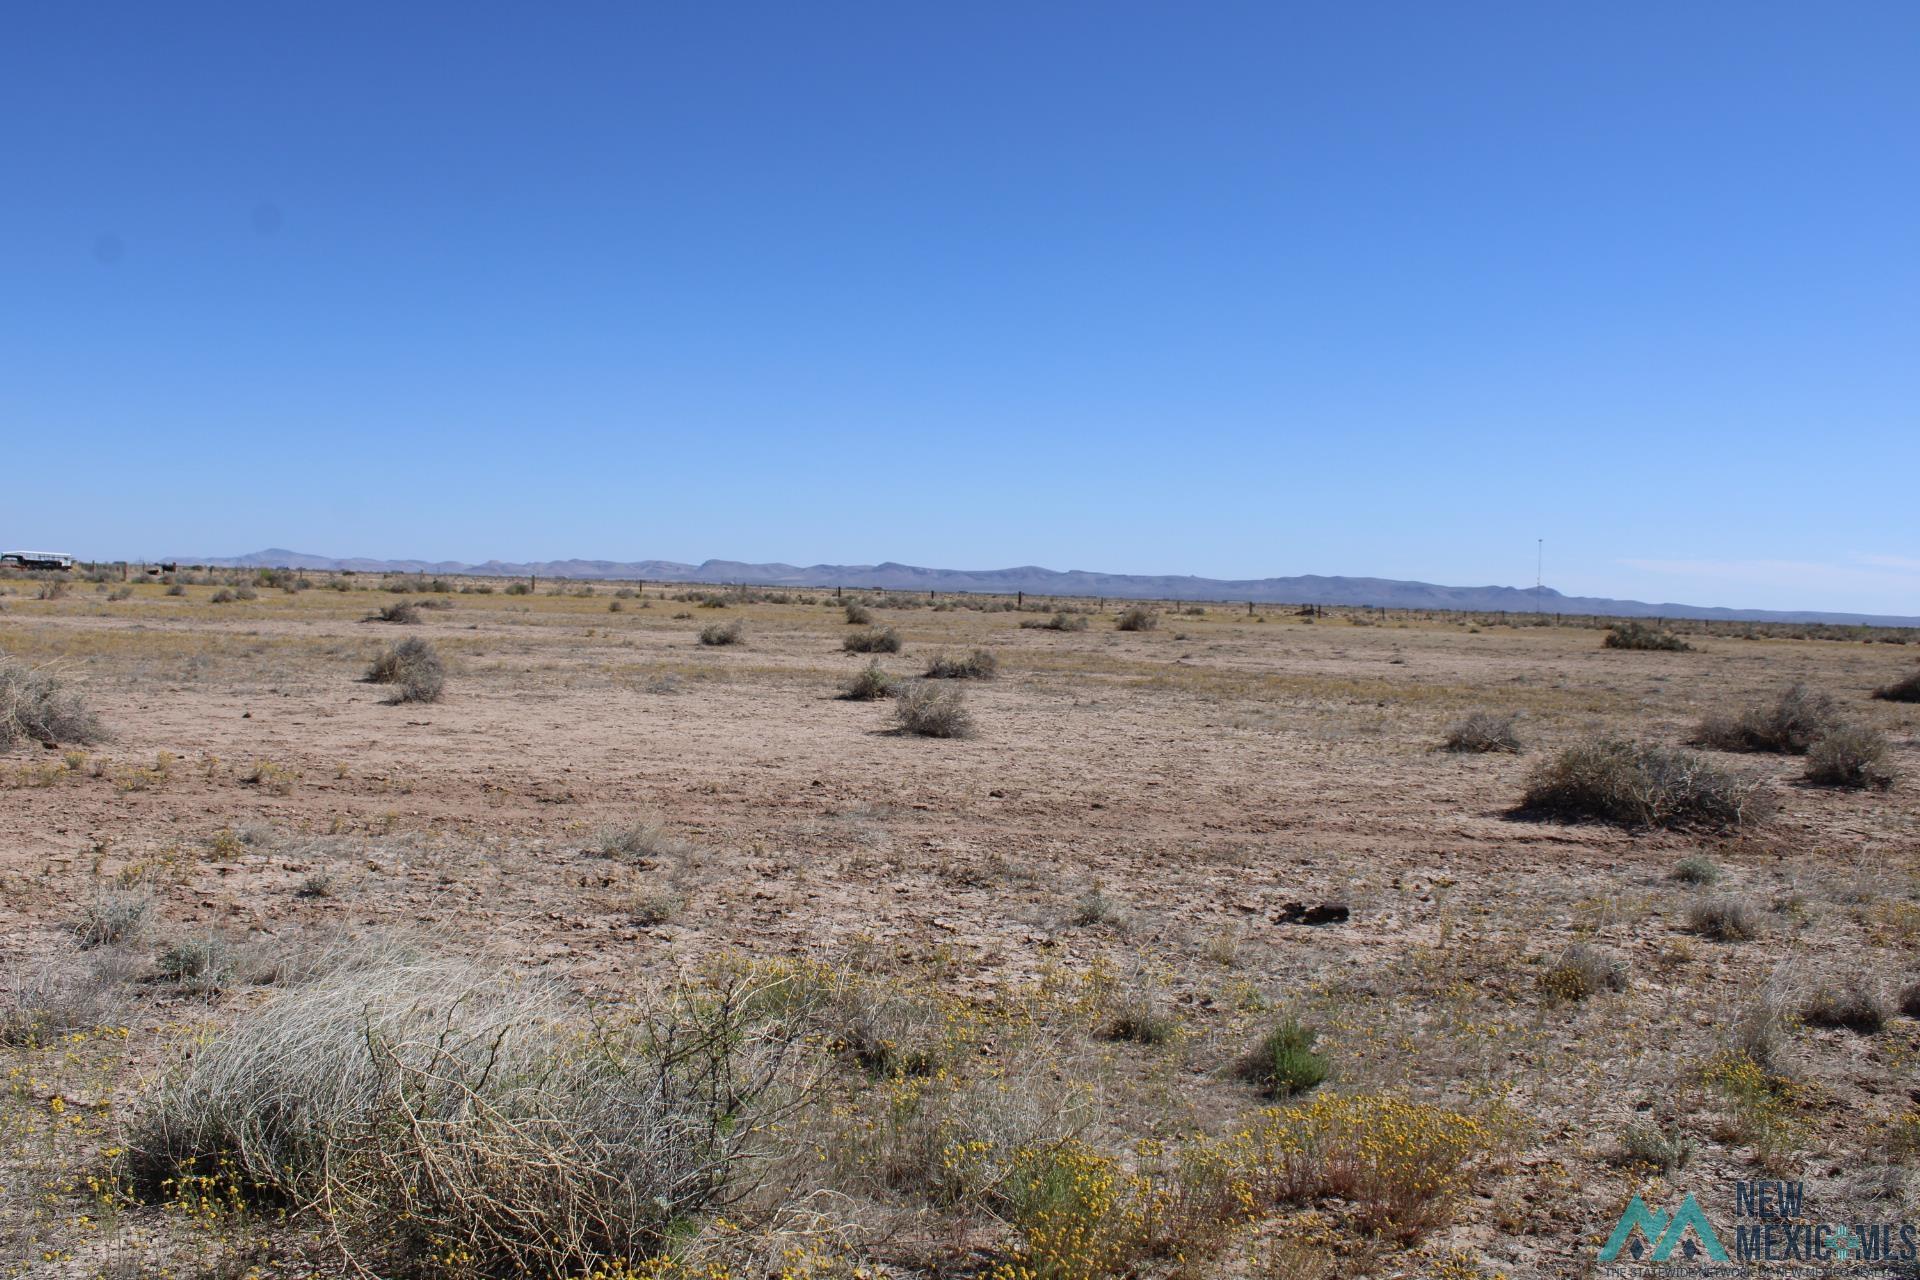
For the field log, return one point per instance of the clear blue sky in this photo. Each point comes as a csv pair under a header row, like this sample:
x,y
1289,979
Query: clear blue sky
x,y
1237,290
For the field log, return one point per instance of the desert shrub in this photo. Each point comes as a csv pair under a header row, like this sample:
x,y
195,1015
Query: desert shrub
x,y
1485,731
1695,869
642,841
518,589
1286,1062
858,615
56,999
413,667
1792,724
175,589
1851,1003
1138,618
1910,1000
1851,756
1905,689
114,916
872,640
1401,1166
1656,1146
981,664
404,612
1095,906
1062,621
437,1107
1641,635
223,596
871,683
203,963
1581,971
1642,786
933,710
723,633
1724,917
35,706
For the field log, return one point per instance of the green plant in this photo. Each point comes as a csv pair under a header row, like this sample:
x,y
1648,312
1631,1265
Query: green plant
x,y
1286,1061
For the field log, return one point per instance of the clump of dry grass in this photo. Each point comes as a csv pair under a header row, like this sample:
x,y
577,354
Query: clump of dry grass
x,y
114,916
1852,756
1905,689
1850,1003
413,667
873,640
1581,971
1724,917
1642,786
1138,618
641,842
858,615
933,711
1793,723
723,633
1641,635
56,999
404,612
869,684
35,706
1061,621
437,1107
981,664
1485,731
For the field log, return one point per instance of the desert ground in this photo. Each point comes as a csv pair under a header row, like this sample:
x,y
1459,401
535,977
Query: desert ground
x,y
999,1000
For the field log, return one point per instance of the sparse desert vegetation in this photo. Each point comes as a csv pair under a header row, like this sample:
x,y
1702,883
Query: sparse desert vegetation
x,y
413,667
1198,959
1643,785
36,706
1485,731
1644,635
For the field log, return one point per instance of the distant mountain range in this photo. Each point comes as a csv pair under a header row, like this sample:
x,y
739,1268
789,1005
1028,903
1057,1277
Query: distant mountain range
x,y
1304,589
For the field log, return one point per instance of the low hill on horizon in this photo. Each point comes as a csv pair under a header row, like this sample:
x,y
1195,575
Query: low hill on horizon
x,y
1384,593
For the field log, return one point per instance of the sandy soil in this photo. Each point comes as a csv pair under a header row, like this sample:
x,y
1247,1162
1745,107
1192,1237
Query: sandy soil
x,y
1197,778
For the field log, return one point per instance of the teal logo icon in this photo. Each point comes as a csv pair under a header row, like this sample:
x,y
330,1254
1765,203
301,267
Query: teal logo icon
x,y
1655,1235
